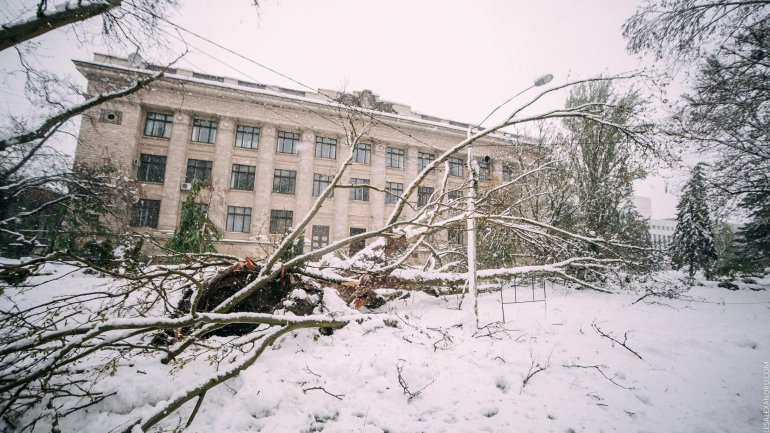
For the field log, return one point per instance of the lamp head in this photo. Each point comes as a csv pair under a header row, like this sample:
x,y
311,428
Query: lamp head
x,y
543,80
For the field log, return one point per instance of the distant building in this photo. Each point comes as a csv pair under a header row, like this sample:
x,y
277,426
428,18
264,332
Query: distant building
x,y
662,232
643,205
267,152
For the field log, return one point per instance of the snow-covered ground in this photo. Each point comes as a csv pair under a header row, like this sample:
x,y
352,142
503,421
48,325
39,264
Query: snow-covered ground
x,y
701,369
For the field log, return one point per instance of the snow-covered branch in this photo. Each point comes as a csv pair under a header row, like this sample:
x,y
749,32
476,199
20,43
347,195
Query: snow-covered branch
x,y
553,269
585,111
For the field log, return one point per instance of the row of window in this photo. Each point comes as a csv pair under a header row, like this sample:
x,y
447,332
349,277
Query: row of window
x,y
152,169
657,227
145,213
205,131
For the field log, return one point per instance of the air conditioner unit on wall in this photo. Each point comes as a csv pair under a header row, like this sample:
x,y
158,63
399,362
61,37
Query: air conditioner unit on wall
x,y
186,186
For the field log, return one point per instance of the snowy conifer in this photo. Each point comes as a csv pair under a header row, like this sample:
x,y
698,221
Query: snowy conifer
x,y
195,233
693,243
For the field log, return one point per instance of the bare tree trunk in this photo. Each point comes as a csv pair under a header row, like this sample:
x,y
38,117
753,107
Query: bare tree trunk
x,y
24,30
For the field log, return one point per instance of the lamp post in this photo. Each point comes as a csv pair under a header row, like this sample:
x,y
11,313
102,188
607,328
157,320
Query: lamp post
x,y
471,220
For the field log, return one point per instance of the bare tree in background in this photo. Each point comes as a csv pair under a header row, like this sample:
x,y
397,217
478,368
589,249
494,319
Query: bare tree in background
x,y
38,185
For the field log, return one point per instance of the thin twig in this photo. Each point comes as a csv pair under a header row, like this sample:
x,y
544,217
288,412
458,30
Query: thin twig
x,y
337,396
622,343
533,370
599,369
405,386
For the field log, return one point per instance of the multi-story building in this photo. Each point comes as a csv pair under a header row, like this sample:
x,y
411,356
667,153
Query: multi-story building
x,y
661,232
266,153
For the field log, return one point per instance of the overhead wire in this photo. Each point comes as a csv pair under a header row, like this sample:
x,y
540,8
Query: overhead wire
x,y
372,116
250,98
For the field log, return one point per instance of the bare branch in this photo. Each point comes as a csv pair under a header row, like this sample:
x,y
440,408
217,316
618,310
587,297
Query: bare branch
x,y
599,369
52,122
46,21
615,340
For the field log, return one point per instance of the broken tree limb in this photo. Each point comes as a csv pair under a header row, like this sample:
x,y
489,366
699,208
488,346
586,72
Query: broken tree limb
x,y
166,408
554,269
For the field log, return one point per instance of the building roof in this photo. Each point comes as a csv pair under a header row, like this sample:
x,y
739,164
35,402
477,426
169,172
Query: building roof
x,y
324,97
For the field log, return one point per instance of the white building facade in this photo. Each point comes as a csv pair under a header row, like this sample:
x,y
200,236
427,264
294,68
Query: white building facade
x,y
662,232
265,153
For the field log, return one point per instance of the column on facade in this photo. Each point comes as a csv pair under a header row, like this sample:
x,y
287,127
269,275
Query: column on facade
x,y
264,182
377,199
410,173
304,186
176,162
341,211
220,172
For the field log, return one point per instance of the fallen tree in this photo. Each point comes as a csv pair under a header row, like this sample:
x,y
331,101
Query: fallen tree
x,y
173,313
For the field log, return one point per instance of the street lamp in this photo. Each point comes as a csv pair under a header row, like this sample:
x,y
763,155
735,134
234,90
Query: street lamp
x,y
471,221
539,81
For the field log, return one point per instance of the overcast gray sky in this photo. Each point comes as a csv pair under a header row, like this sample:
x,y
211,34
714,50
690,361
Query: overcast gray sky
x,y
448,58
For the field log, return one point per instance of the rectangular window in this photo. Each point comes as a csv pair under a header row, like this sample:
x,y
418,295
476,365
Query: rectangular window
x,y
456,167
357,245
284,181
363,153
424,159
359,193
395,157
320,183
145,213
455,236
158,125
247,137
152,168
484,170
198,169
208,77
393,191
238,219
287,142
203,207
423,195
319,238
325,147
204,131
507,173
242,177
455,194
280,221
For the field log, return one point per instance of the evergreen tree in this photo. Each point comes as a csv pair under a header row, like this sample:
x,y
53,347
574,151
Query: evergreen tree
x,y
726,114
756,233
195,233
693,242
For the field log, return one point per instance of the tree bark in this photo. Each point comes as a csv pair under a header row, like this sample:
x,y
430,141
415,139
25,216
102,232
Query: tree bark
x,y
20,31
